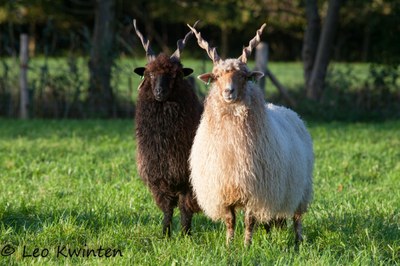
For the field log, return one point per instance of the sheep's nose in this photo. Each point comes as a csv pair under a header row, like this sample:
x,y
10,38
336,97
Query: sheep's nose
x,y
159,89
228,89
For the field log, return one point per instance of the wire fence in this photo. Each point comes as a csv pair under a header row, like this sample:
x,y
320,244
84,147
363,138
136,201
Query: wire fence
x,y
58,86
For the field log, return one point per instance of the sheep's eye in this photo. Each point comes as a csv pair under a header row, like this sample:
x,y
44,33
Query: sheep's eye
x,y
252,79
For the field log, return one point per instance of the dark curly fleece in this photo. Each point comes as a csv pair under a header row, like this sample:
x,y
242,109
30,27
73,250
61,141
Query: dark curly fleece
x,y
165,132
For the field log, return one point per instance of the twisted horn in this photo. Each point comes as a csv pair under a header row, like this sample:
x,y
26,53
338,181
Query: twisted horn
x,y
181,43
252,44
211,51
146,44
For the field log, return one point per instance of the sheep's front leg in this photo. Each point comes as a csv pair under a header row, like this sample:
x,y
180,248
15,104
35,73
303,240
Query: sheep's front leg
x,y
249,222
230,221
298,228
167,221
167,204
186,213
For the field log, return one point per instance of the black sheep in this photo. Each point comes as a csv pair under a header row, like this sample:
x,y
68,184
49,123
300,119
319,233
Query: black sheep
x,y
167,115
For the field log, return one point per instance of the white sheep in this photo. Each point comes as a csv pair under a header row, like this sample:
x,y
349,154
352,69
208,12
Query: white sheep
x,y
248,154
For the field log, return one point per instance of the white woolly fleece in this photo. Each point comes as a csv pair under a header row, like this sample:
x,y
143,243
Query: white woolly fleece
x,y
252,155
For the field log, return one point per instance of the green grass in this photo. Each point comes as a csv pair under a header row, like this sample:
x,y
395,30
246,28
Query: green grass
x,y
75,183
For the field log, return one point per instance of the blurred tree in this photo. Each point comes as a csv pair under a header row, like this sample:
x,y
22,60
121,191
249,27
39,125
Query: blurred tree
x,y
228,24
370,31
315,83
101,98
311,37
145,11
228,20
45,21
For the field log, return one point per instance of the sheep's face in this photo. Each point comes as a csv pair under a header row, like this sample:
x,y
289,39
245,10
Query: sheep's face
x,y
230,84
231,77
162,74
161,85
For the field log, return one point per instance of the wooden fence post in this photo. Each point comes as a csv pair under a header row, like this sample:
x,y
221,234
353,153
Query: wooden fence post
x,y
262,65
23,76
262,62
281,88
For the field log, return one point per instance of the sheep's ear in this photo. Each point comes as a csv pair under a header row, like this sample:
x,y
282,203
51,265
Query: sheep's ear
x,y
255,75
206,78
187,71
140,71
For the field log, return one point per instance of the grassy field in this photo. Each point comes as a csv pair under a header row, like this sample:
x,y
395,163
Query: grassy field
x,y
70,185
60,72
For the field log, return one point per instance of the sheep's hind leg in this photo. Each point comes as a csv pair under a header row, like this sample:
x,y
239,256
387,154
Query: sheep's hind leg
x,y
280,223
230,221
298,228
277,222
249,222
186,213
267,227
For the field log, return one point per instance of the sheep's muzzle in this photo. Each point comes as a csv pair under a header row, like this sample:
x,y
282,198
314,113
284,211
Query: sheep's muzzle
x,y
161,88
229,94
228,85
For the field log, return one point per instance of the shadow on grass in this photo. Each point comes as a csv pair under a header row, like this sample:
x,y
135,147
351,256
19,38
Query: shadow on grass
x,y
356,231
31,220
201,223
28,219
